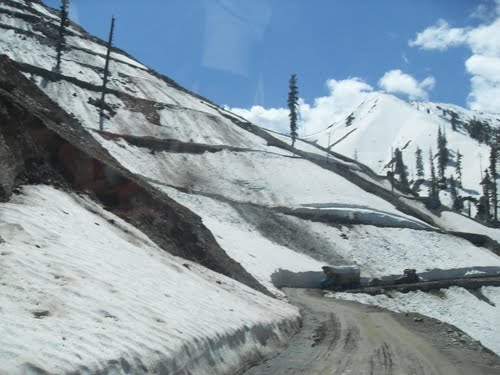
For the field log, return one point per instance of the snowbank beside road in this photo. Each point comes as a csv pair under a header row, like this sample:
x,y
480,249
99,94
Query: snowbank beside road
x,y
388,251
243,242
83,291
456,306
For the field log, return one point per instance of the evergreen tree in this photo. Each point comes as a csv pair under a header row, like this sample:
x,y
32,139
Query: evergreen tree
x,y
443,155
349,119
61,40
480,131
482,209
106,72
454,121
458,169
484,201
400,168
475,129
293,106
493,174
453,188
458,202
419,163
433,188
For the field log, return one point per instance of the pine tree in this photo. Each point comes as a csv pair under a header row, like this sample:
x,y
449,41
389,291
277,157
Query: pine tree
x,y
458,169
61,40
443,155
483,208
454,121
493,174
458,203
433,188
106,72
480,131
419,163
400,167
293,106
453,188
349,119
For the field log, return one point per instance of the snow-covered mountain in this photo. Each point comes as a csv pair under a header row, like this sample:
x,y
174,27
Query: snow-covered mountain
x,y
149,246
385,123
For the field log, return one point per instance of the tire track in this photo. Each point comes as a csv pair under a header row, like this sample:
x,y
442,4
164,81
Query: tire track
x,y
341,337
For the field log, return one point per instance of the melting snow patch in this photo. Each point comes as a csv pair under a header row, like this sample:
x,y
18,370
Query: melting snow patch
x,y
83,293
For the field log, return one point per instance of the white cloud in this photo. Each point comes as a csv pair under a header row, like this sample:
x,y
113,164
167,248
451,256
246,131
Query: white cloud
x,y
484,63
484,95
343,97
440,37
484,66
397,82
273,118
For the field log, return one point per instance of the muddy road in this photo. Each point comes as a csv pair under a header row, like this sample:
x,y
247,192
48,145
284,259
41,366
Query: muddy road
x,y
341,337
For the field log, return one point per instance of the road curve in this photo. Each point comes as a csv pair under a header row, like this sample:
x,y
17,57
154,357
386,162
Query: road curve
x,y
341,337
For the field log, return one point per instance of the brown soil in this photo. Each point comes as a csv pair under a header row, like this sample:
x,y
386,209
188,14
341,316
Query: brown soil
x,y
342,337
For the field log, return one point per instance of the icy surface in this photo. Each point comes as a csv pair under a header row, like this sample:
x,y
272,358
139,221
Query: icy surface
x,y
78,299
455,305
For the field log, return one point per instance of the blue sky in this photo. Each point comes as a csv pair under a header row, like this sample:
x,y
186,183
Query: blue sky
x,y
241,53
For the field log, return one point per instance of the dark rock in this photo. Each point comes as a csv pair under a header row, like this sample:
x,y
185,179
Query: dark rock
x,y
39,314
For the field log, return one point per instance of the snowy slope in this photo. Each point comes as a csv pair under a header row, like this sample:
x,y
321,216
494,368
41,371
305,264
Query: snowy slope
x,y
82,290
386,122
259,201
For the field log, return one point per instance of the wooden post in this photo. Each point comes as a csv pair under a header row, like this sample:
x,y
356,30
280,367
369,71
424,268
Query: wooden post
x,y
106,73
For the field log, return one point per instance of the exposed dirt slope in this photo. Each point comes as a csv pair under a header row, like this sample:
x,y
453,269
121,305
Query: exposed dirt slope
x,y
340,337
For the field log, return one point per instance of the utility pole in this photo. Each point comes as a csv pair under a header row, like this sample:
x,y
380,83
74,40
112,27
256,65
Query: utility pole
x,y
106,73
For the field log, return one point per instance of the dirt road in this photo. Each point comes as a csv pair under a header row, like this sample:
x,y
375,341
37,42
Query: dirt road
x,y
340,337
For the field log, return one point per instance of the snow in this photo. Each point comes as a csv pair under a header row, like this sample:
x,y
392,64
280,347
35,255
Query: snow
x,y
385,122
264,178
388,251
312,149
111,294
43,10
454,221
454,305
377,251
95,48
8,20
243,242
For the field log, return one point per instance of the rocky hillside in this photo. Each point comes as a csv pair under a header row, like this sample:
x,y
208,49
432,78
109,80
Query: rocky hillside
x,y
172,213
